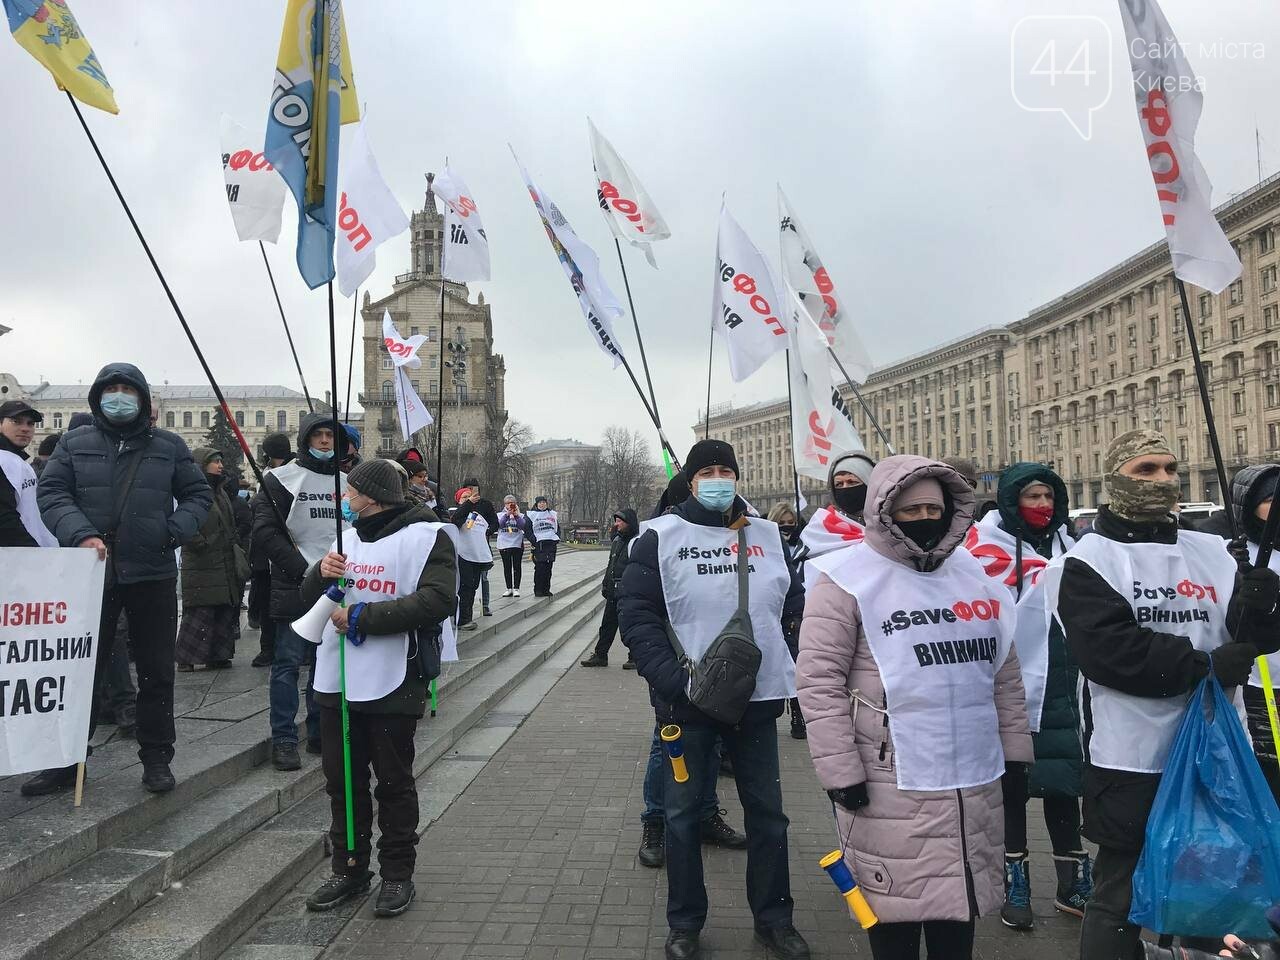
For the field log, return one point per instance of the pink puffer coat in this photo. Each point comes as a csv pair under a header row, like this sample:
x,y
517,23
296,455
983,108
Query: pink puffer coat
x,y
910,850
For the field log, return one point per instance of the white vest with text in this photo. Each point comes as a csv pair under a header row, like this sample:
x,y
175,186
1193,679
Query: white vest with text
x,y
546,524
23,480
473,543
311,518
509,535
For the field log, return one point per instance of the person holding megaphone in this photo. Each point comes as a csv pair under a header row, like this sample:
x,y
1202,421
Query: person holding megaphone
x,y
396,589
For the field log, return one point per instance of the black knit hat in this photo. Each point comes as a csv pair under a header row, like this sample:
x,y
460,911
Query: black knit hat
x,y
276,446
710,453
382,481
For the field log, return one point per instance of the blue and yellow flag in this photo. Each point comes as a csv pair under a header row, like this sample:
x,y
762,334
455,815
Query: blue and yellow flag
x,y
302,125
48,31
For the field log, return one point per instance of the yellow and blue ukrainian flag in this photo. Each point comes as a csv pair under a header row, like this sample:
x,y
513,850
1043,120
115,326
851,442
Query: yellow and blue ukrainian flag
x,y
48,31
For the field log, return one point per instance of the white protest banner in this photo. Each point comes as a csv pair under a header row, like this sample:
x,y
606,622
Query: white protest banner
x,y
50,609
466,245
1169,97
803,271
627,206
368,214
404,353
582,267
254,193
745,306
820,423
413,412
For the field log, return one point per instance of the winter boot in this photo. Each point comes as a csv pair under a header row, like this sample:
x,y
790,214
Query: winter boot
x,y
717,833
394,898
1075,882
339,887
653,843
596,660
798,731
1016,911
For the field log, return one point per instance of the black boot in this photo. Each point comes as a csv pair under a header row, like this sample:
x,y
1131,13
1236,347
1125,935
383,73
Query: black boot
x,y
798,731
394,898
157,777
1016,911
682,945
653,843
1075,882
596,660
339,887
284,756
717,833
50,781
784,941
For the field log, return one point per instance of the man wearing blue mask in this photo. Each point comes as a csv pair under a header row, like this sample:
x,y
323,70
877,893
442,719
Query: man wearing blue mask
x,y
682,581
302,494
132,493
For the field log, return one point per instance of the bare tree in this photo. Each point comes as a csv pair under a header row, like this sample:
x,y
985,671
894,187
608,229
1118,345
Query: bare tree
x,y
631,470
506,465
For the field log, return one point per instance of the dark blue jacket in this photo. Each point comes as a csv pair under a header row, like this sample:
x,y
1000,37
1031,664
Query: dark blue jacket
x,y
642,615
79,486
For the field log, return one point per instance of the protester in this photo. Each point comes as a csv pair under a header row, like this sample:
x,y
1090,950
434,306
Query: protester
x,y
625,527
20,523
1138,677
512,528
662,588
839,525
133,494
44,451
544,533
353,448
913,766
392,651
419,493
474,518
676,493
1014,544
276,452
211,585
785,517
294,518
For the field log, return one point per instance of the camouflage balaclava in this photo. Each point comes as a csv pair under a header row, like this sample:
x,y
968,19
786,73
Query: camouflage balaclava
x,y
1143,501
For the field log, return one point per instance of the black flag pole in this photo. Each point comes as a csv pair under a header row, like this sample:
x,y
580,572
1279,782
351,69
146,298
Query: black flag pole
x,y
1207,404
280,306
173,302
339,438
351,358
711,353
440,404
866,407
791,419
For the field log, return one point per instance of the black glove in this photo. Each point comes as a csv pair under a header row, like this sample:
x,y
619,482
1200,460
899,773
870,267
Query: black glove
x,y
1232,663
1239,549
851,798
1259,587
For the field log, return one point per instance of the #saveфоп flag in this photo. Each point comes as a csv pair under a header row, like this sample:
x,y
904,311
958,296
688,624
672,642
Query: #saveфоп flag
x,y
466,245
368,213
745,306
627,206
254,192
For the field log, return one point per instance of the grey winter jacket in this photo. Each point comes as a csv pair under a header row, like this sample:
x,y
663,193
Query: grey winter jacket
x,y
917,855
88,469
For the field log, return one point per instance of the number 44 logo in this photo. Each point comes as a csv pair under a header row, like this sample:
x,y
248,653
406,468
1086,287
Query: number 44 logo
x,y
1062,64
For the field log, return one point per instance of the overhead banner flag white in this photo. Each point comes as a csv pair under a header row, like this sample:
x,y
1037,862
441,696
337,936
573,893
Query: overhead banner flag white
x,y
50,609
466,246
414,415
802,270
821,426
1168,96
403,352
745,305
254,193
368,214
627,206
582,267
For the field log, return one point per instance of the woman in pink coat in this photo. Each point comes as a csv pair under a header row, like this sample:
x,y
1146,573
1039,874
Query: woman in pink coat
x,y
915,707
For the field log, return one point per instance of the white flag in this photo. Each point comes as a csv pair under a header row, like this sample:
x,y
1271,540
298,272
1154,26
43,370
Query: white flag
x,y
466,247
821,426
802,270
746,306
582,267
1168,96
368,214
413,412
254,193
627,206
404,353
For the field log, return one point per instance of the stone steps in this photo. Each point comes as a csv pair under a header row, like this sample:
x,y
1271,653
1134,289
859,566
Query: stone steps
x,y
72,875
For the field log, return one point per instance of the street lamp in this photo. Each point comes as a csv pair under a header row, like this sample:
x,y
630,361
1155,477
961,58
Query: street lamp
x,y
458,350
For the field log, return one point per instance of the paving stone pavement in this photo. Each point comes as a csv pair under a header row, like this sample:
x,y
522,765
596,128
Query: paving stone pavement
x,y
536,859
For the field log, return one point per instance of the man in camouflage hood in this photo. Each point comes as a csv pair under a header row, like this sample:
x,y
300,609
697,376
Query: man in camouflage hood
x,y
1146,496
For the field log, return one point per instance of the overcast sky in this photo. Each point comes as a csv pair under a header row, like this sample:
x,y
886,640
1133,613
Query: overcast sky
x,y
938,204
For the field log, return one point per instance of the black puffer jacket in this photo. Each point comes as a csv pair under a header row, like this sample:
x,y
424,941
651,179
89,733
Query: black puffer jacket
x,y
208,558
80,484
642,615
271,538
618,554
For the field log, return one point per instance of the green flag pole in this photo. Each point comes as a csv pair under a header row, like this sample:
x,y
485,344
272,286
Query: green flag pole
x,y
666,462
434,701
346,743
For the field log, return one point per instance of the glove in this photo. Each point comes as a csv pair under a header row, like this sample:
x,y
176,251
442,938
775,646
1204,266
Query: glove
x,y
1239,549
1259,587
1232,663
354,634
851,798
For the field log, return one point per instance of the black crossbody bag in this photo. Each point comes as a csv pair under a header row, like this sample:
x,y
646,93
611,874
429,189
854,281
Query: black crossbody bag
x,y
722,682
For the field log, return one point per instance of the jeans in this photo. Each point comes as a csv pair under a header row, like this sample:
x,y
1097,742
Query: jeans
x,y
944,940
753,749
291,653
484,587
152,610
655,774
511,562
469,574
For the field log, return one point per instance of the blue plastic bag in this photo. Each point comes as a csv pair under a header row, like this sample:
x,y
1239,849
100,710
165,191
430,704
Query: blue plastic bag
x,y
1211,861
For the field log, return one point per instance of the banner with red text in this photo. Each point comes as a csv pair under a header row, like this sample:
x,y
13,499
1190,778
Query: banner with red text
x,y
414,415
254,193
403,352
465,253
50,608
627,206
820,423
745,306
368,214
1169,98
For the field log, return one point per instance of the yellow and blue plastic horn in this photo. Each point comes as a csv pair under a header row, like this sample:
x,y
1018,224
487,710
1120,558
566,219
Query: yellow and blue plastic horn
x,y
671,735
842,877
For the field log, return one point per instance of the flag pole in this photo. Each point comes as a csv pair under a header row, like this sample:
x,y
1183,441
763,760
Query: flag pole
x,y
440,404
653,397
279,306
186,328
711,352
351,358
791,419
866,408
1207,404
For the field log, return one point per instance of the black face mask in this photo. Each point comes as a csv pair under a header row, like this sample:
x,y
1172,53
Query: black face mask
x,y
850,500
788,531
925,534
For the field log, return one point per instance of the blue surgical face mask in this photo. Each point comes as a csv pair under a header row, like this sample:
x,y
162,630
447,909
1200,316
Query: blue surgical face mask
x,y
717,494
244,494
321,454
348,514
120,407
